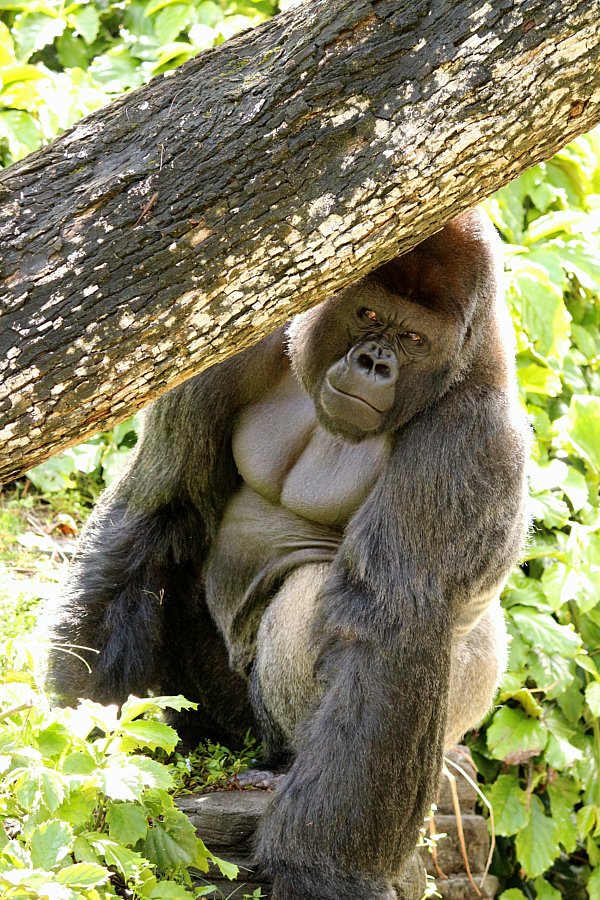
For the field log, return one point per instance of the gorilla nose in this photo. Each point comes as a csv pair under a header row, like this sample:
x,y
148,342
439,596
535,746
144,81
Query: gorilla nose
x,y
374,360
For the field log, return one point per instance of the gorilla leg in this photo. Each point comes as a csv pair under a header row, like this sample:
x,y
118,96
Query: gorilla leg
x,y
478,662
284,687
284,691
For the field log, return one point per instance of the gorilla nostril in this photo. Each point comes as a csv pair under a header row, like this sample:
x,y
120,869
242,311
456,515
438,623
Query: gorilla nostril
x,y
365,362
383,369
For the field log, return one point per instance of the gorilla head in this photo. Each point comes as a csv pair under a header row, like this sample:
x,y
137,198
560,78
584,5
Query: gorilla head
x,y
392,344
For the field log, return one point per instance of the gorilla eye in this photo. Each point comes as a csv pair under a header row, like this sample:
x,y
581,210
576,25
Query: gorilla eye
x,y
370,314
413,337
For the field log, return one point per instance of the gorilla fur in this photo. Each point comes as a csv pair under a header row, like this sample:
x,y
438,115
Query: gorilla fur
x,y
311,540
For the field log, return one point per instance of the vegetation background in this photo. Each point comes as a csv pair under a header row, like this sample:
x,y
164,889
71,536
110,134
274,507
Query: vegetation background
x,y
85,814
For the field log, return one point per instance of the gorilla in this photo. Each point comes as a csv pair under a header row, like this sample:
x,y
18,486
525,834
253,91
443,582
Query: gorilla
x,y
311,541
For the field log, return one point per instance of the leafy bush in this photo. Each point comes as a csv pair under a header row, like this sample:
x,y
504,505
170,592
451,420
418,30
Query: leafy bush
x,y
540,751
102,457
85,813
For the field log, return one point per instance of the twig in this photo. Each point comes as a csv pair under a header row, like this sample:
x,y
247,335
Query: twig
x,y
459,827
489,808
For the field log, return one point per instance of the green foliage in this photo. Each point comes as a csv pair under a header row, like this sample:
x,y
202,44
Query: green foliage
x,y
60,60
85,813
540,750
213,766
102,457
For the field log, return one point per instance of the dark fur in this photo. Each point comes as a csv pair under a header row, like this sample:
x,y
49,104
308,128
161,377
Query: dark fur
x,y
443,523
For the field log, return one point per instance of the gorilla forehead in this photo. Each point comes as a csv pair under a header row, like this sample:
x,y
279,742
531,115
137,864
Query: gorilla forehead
x,y
448,270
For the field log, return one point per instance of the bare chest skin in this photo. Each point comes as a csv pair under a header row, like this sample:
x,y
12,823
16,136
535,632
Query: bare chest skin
x,y
286,457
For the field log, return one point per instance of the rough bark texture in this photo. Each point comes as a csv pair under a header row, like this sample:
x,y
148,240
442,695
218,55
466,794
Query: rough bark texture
x,y
192,216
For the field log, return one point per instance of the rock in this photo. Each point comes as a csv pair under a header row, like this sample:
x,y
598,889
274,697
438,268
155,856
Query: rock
x,y
458,887
449,857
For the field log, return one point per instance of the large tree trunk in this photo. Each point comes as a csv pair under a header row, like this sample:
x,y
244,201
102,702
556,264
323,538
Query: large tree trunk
x,y
190,217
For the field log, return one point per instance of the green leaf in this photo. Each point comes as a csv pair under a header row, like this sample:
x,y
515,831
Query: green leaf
x,y
86,22
116,71
53,740
592,697
152,773
543,312
86,457
537,844
83,875
7,50
228,869
173,842
547,475
552,673
33,31
540,630
135,706
150,734
127,861
528,702
122,780
515,737
549,509
52,475
127,822
169,890
584,430
509,803
564,795
50,843
171,20
539,380
209,13
593,884
586,818
513,894
587,340
78,807
545,891
560,753
172,54
576,488
72,51
156,5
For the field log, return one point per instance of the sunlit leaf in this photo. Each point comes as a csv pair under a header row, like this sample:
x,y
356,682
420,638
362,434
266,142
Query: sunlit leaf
x,y
584,432
514,736
537,844
33,31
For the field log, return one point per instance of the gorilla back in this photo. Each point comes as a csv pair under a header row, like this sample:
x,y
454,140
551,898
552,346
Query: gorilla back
x,y
311,540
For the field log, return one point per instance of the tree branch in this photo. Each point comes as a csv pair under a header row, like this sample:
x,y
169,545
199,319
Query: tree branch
x,y
195,214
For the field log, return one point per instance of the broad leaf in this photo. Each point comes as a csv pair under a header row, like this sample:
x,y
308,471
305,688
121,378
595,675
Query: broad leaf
x,y
537,844
514,736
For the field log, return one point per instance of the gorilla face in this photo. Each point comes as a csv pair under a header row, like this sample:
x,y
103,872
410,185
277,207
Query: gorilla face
x,y
371,359
387,347
359,390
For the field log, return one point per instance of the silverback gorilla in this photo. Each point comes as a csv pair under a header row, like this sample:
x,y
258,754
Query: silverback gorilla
x,y
311,541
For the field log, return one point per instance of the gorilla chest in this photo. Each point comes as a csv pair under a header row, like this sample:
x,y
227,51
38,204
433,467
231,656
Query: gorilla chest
x,y
286,457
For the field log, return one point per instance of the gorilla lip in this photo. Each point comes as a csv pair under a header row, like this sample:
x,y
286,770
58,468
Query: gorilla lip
x,y
354,397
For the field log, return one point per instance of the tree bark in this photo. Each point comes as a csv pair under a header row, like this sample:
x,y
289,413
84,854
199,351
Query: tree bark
x,y
192,216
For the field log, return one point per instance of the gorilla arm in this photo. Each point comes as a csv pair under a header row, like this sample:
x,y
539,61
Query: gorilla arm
x,y
443,525
135,580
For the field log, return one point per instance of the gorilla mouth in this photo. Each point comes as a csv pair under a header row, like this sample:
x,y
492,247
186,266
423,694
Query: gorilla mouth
x,y
337,390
